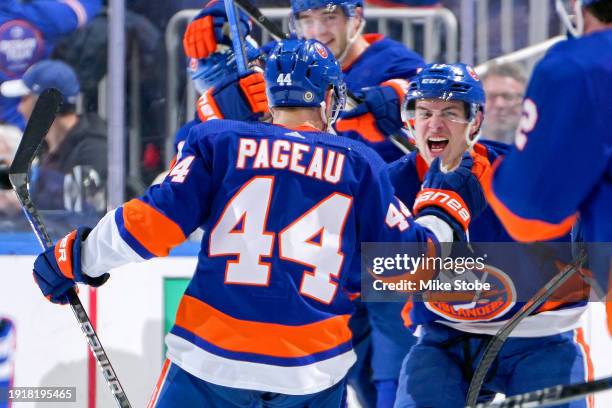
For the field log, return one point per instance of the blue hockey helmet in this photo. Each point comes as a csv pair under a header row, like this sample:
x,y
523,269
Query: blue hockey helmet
x,y
447,82
207,72
348,6
299,73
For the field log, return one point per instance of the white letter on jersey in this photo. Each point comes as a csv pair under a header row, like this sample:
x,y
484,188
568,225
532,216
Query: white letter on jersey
x,y
247,148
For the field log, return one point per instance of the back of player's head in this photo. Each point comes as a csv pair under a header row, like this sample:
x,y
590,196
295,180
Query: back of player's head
x,y
348,6
458,82
299,73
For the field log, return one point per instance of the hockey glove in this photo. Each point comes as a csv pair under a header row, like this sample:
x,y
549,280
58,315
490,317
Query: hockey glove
x,y
455,197
206,30
235,98
378,115
58,268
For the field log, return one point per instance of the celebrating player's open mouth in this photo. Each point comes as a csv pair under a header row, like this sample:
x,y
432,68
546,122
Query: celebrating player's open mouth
x,y
436,145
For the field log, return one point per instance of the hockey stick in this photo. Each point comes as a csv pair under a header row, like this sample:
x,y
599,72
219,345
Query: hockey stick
x,y
236,35
262,21
37,127
552,395
495,344
401,141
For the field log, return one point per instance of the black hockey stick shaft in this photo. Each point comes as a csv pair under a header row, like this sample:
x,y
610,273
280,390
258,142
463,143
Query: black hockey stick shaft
x,y
264,22
495,344
556,395
37,127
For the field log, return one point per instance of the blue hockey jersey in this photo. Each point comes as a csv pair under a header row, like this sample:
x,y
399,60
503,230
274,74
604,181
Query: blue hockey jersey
x,y
491,313
284,212
382,62
561,166
28,32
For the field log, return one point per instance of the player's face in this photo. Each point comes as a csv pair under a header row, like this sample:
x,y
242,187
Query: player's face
x,y
440,128
329,26
503,107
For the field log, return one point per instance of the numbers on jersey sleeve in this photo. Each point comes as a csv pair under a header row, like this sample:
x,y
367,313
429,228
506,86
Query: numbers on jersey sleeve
x,y
241,231
396,218
180,171
529,118
313,240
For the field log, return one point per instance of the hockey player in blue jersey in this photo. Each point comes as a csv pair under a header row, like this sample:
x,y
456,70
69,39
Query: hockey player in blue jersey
x,y
284,207
561,167
445,110
28,32
376,68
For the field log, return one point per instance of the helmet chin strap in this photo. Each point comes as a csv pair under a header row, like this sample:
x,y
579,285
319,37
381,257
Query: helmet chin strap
x,y
576,27
351,40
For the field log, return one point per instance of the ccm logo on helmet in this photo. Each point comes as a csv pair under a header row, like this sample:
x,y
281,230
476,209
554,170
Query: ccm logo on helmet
x,y
446,200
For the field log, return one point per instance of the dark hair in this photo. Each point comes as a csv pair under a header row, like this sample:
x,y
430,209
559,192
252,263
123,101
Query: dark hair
x,y
602,10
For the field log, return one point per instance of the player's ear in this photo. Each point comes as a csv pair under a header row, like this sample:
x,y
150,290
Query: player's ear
x,y
475,126
358,18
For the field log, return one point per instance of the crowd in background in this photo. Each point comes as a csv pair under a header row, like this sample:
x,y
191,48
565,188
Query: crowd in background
x,y
77,34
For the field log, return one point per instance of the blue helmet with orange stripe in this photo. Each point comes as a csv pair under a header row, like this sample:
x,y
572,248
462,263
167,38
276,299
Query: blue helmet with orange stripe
x,y
299,73
448,82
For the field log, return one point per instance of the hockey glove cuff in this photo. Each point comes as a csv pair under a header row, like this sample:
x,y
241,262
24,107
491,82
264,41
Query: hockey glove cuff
x,y
455,197
57,269
235,98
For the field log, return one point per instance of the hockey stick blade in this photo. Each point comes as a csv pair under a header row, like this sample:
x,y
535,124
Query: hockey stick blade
x,y
261,20
549,396
37,127
44,112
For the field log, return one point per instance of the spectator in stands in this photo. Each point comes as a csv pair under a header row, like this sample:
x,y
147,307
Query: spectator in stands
x,y
504,86
9,140
28,32
72,168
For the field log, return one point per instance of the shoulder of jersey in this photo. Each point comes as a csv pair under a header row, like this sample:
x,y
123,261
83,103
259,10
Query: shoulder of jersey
x,y
494,149
386,46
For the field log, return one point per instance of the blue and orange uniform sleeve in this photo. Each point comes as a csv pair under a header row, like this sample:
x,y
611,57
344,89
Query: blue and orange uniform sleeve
x,y
56,18
538,188
384,217
151,225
